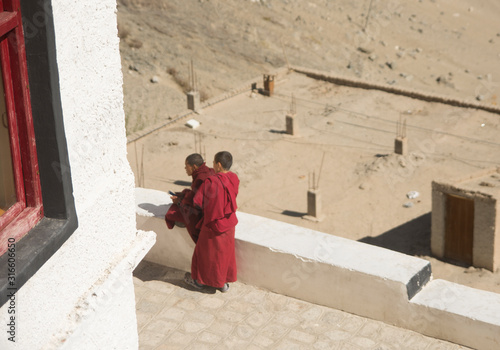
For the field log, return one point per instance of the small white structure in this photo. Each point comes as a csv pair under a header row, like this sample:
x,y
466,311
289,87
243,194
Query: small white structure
x,y
193,123
82,296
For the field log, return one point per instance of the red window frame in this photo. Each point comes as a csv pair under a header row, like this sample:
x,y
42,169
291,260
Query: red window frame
x,y
28,210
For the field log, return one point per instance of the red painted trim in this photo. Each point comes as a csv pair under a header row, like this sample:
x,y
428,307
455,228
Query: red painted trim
x,y
25,119
10,5
32,180
29,208
11,214
8,21
13,123
20,226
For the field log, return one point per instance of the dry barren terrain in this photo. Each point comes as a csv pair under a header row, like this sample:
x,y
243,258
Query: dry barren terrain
x,y
446,47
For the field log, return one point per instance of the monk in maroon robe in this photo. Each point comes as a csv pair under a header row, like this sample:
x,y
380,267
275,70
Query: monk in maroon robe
x,y
214,262
183,212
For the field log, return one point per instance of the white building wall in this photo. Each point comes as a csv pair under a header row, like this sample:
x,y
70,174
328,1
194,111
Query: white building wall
x,y
82,297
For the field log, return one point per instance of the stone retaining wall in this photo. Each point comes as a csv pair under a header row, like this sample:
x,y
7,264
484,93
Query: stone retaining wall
x,y
420,95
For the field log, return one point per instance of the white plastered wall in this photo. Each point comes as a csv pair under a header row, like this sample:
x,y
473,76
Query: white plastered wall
x,y
82,297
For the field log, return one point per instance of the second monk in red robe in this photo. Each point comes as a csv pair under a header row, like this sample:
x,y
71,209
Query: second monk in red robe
x,y
214,262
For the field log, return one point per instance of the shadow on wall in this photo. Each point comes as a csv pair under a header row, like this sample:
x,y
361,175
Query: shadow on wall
x,y
411,238
156,210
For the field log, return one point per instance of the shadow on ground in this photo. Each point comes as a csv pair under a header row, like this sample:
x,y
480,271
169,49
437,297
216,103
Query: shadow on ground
x,y
292,213
149,271
412,238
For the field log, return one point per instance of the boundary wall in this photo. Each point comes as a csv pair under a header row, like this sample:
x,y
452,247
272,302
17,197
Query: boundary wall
x,y
347,275
419,95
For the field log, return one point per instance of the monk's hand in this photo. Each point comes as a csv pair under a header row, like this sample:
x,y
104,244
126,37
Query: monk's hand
x,y
175,199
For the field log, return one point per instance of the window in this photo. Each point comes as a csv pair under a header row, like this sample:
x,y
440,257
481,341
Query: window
x,y
20,193
37,72
8,196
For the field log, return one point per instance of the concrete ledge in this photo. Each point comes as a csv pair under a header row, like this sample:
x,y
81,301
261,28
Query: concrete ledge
x,y
396,270
173,248
459,314
351,276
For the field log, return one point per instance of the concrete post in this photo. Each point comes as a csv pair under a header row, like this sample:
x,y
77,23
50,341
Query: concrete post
x,y
268,85
401,145
193,101
313,205
291,124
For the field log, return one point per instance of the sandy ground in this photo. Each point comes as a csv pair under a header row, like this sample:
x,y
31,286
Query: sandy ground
x,y
450,47
347,140
346,134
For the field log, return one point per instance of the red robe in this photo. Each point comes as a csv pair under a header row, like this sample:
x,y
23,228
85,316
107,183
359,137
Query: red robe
x,y
214,261
185,212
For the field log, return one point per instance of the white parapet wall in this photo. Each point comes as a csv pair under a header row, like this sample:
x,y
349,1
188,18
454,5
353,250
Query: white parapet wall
x,y
352,276
173,247
326,269
457,313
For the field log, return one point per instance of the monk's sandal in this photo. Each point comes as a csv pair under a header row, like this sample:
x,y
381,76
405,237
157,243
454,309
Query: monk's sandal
x,y
189,280
225,288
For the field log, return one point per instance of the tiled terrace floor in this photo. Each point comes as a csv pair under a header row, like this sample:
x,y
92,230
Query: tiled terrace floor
x,y
172,316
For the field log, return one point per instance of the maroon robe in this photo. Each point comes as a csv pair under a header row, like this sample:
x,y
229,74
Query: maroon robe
x,y
214,261
185,212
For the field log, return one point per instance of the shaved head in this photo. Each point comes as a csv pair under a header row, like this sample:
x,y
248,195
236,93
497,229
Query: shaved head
x,y
195,159
225,159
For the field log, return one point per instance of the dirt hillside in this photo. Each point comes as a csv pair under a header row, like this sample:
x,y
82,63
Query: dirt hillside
x,y
449,47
